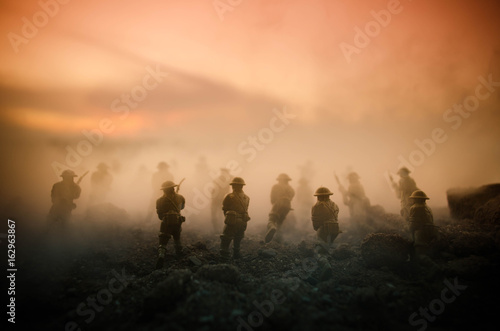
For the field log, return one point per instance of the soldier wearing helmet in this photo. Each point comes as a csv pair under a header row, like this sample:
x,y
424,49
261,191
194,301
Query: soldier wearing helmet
x,y
168,208
404,188
157,179
281,199
219,191
62,194
421,221
355,198
235,208
100,184
324,216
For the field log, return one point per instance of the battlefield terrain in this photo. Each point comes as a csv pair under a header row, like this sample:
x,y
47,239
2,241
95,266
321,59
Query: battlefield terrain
x,y
102,277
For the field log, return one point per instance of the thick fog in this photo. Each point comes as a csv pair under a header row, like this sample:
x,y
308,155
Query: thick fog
x,y
260,89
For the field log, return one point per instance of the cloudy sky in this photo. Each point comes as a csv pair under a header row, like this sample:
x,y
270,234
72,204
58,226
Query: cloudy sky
x,y
364,84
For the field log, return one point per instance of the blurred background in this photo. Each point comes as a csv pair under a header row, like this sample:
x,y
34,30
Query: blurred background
x,y
199,85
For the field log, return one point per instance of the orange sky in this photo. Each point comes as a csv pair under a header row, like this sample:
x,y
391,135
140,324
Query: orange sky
x,y
224,77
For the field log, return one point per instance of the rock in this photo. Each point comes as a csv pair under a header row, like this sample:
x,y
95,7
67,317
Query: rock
x,y
167,293
471,267
201,246
342,252
467,243
224,273
268,253
464,202
305,249
383,249
194,260
489,213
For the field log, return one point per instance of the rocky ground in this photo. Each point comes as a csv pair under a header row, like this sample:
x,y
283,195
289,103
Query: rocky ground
x,y
108,282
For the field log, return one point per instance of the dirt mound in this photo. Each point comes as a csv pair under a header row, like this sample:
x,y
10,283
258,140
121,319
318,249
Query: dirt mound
x,y
383,249
465,202
224,273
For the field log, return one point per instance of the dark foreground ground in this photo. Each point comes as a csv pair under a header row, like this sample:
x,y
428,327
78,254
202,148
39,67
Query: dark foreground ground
x,y
93,281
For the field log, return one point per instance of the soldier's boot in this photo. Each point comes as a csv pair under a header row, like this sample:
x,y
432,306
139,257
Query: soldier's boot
x,y
161,256
224,246
236,248
178,248
271,227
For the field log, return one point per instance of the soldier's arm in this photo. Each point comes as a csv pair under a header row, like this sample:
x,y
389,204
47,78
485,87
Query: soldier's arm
x,y
159,208
336,211
317,215
225,203
183,202
77,191
413,214
53,196
274,194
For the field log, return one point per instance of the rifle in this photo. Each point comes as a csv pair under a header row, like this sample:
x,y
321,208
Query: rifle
x,y
390,177
342,190
179,185
341,187
80,179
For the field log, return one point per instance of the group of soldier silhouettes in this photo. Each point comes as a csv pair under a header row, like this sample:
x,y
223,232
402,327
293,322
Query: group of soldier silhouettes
x,y
324,213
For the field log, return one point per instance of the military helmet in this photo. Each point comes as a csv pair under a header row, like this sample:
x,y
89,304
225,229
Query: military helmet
x,y
68,173
283,177
102,166
418,194
237,181
404,170
163,165
353,175
322,191
168,184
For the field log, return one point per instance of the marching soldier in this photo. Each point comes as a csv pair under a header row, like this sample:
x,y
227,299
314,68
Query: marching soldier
x,y
100,183
157,179
235,208
221,188
63,193
355,198
168,208
404,189
421,221
281,199
325,216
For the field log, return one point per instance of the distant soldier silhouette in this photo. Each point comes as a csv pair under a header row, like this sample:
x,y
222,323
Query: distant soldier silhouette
x,y
100,184
421,221
281,199
220,190
235,208
303,201
168,208
404,189
161,176
355,198
63,193
324,216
